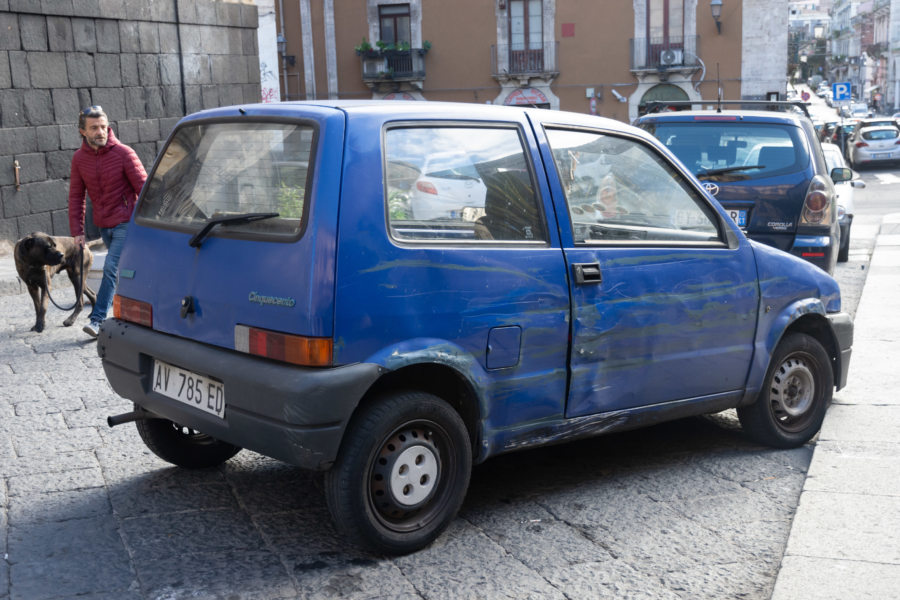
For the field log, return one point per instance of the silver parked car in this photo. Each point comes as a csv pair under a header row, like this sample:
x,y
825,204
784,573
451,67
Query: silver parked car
x,y
873,145
844,192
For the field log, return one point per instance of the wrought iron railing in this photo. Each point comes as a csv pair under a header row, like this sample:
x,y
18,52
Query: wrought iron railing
x,y
534,59
384,65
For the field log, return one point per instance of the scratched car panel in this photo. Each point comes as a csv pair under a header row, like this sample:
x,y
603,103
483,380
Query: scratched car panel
x,y
588,284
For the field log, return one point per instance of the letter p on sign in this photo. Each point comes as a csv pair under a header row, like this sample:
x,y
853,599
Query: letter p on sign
x,y
841,91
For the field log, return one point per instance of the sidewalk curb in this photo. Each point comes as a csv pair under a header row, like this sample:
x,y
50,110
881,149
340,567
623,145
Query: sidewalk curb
x,y
844,541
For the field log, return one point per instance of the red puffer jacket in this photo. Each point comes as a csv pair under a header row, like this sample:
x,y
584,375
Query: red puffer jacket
x,y
112,176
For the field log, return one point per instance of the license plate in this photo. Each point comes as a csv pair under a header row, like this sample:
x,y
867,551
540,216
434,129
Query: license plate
x,y
882,155
192,389
739,217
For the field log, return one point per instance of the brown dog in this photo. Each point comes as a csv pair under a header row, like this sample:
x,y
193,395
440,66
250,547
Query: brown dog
x,y
38,258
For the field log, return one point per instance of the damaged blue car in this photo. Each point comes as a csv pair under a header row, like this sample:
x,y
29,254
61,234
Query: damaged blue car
x,y
395,292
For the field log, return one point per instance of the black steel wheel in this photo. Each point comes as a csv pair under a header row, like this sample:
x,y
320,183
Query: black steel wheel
x,y
797,390
183,446
401,474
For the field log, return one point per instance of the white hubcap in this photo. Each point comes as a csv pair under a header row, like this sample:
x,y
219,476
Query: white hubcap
x,y
414,475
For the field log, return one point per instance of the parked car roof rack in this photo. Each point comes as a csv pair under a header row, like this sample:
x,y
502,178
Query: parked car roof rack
x,y
657,105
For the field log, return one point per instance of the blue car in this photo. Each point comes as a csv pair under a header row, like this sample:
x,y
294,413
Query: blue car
x,y
278,292
768,171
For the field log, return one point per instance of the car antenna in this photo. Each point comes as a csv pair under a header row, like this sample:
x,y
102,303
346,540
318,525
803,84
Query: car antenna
x,y
719,89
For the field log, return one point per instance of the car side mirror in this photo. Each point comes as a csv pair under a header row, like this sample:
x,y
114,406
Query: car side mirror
x,y
839,174
858,183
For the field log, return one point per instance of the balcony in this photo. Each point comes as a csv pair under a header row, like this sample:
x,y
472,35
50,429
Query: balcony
x,y
652,54
380,66
517,62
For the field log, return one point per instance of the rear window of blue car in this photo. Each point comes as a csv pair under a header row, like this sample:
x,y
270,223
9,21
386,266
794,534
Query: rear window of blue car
x,y
221,170
734,150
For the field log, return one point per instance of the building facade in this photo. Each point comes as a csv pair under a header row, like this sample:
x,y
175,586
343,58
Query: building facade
x,y
605,58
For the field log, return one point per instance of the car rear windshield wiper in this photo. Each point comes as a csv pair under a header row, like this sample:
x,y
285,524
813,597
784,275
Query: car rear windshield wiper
x,y
728,170
228,220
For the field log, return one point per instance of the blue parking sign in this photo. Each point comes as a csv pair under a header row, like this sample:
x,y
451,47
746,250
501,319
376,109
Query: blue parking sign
x,y
841,91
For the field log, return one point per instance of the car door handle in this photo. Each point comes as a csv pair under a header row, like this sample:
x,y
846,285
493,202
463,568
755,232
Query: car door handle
x,y
587,272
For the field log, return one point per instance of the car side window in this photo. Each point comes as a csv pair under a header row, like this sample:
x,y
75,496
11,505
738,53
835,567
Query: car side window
x,y
445,183
620,189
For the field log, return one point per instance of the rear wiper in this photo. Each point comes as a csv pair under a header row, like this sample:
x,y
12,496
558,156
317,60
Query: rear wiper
x,y
728,170
228,220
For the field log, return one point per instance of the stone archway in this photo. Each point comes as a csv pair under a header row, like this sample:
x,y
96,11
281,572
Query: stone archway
x,y
653,89
664,92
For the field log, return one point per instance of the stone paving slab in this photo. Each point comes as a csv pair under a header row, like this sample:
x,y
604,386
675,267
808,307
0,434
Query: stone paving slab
x,y
826,579
862,423
867,527
855,468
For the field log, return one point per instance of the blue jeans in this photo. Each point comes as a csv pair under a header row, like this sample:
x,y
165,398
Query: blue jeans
x,y
114,238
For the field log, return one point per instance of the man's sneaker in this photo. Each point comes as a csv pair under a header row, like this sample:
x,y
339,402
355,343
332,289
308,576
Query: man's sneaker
x,y
92,329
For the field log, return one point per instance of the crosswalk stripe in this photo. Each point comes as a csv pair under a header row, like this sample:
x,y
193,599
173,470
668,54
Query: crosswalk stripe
x,y
884,178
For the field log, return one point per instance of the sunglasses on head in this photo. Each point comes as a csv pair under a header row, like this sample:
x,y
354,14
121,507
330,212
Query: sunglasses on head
x,y
92,109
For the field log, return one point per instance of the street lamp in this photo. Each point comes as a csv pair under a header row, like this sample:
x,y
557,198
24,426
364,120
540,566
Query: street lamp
x,y
716,7
282,48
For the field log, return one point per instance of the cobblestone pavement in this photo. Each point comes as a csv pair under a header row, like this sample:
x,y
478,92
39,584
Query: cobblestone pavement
x,y
683,510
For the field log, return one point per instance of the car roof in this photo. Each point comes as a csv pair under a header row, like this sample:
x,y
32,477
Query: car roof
x,y
747,116
865,129
396,110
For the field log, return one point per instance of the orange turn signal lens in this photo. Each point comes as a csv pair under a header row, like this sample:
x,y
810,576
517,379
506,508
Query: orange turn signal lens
x,y
294,349
133,311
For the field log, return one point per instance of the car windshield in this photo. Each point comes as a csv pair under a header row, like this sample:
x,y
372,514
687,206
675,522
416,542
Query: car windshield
x,y
222,170
733,151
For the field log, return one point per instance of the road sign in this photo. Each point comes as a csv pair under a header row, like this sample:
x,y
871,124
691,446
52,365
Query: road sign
x,y
804,95
841,91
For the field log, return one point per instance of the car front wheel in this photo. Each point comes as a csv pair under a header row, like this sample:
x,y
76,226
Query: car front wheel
x,y
797,390
401,474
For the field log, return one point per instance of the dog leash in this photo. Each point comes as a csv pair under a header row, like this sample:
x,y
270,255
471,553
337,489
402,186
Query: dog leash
x,y
80,294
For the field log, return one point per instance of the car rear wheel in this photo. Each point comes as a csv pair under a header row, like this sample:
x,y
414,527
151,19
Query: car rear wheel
x,y
797,390
401,474
183,446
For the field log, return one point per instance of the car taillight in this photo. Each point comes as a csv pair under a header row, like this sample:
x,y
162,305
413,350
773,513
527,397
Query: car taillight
x,y
133,311
817,204
294,349
860,144
426,187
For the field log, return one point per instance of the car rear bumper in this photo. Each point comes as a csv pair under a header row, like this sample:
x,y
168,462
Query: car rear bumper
x,y
820,250
294,414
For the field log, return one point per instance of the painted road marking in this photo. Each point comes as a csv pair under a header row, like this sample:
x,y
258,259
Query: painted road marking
x,y
885,178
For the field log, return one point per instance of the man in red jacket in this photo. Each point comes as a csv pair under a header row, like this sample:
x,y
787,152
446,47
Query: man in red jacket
x,y
112,175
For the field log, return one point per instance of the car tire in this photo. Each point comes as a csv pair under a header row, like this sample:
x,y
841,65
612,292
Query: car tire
x,y
791,405
373,500
844,248
183,446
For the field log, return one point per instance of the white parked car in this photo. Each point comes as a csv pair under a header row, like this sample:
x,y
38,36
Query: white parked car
x,y
449,184
873,145
844,191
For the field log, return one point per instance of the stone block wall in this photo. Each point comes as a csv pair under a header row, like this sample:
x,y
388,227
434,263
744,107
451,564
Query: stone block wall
x,y
146,62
